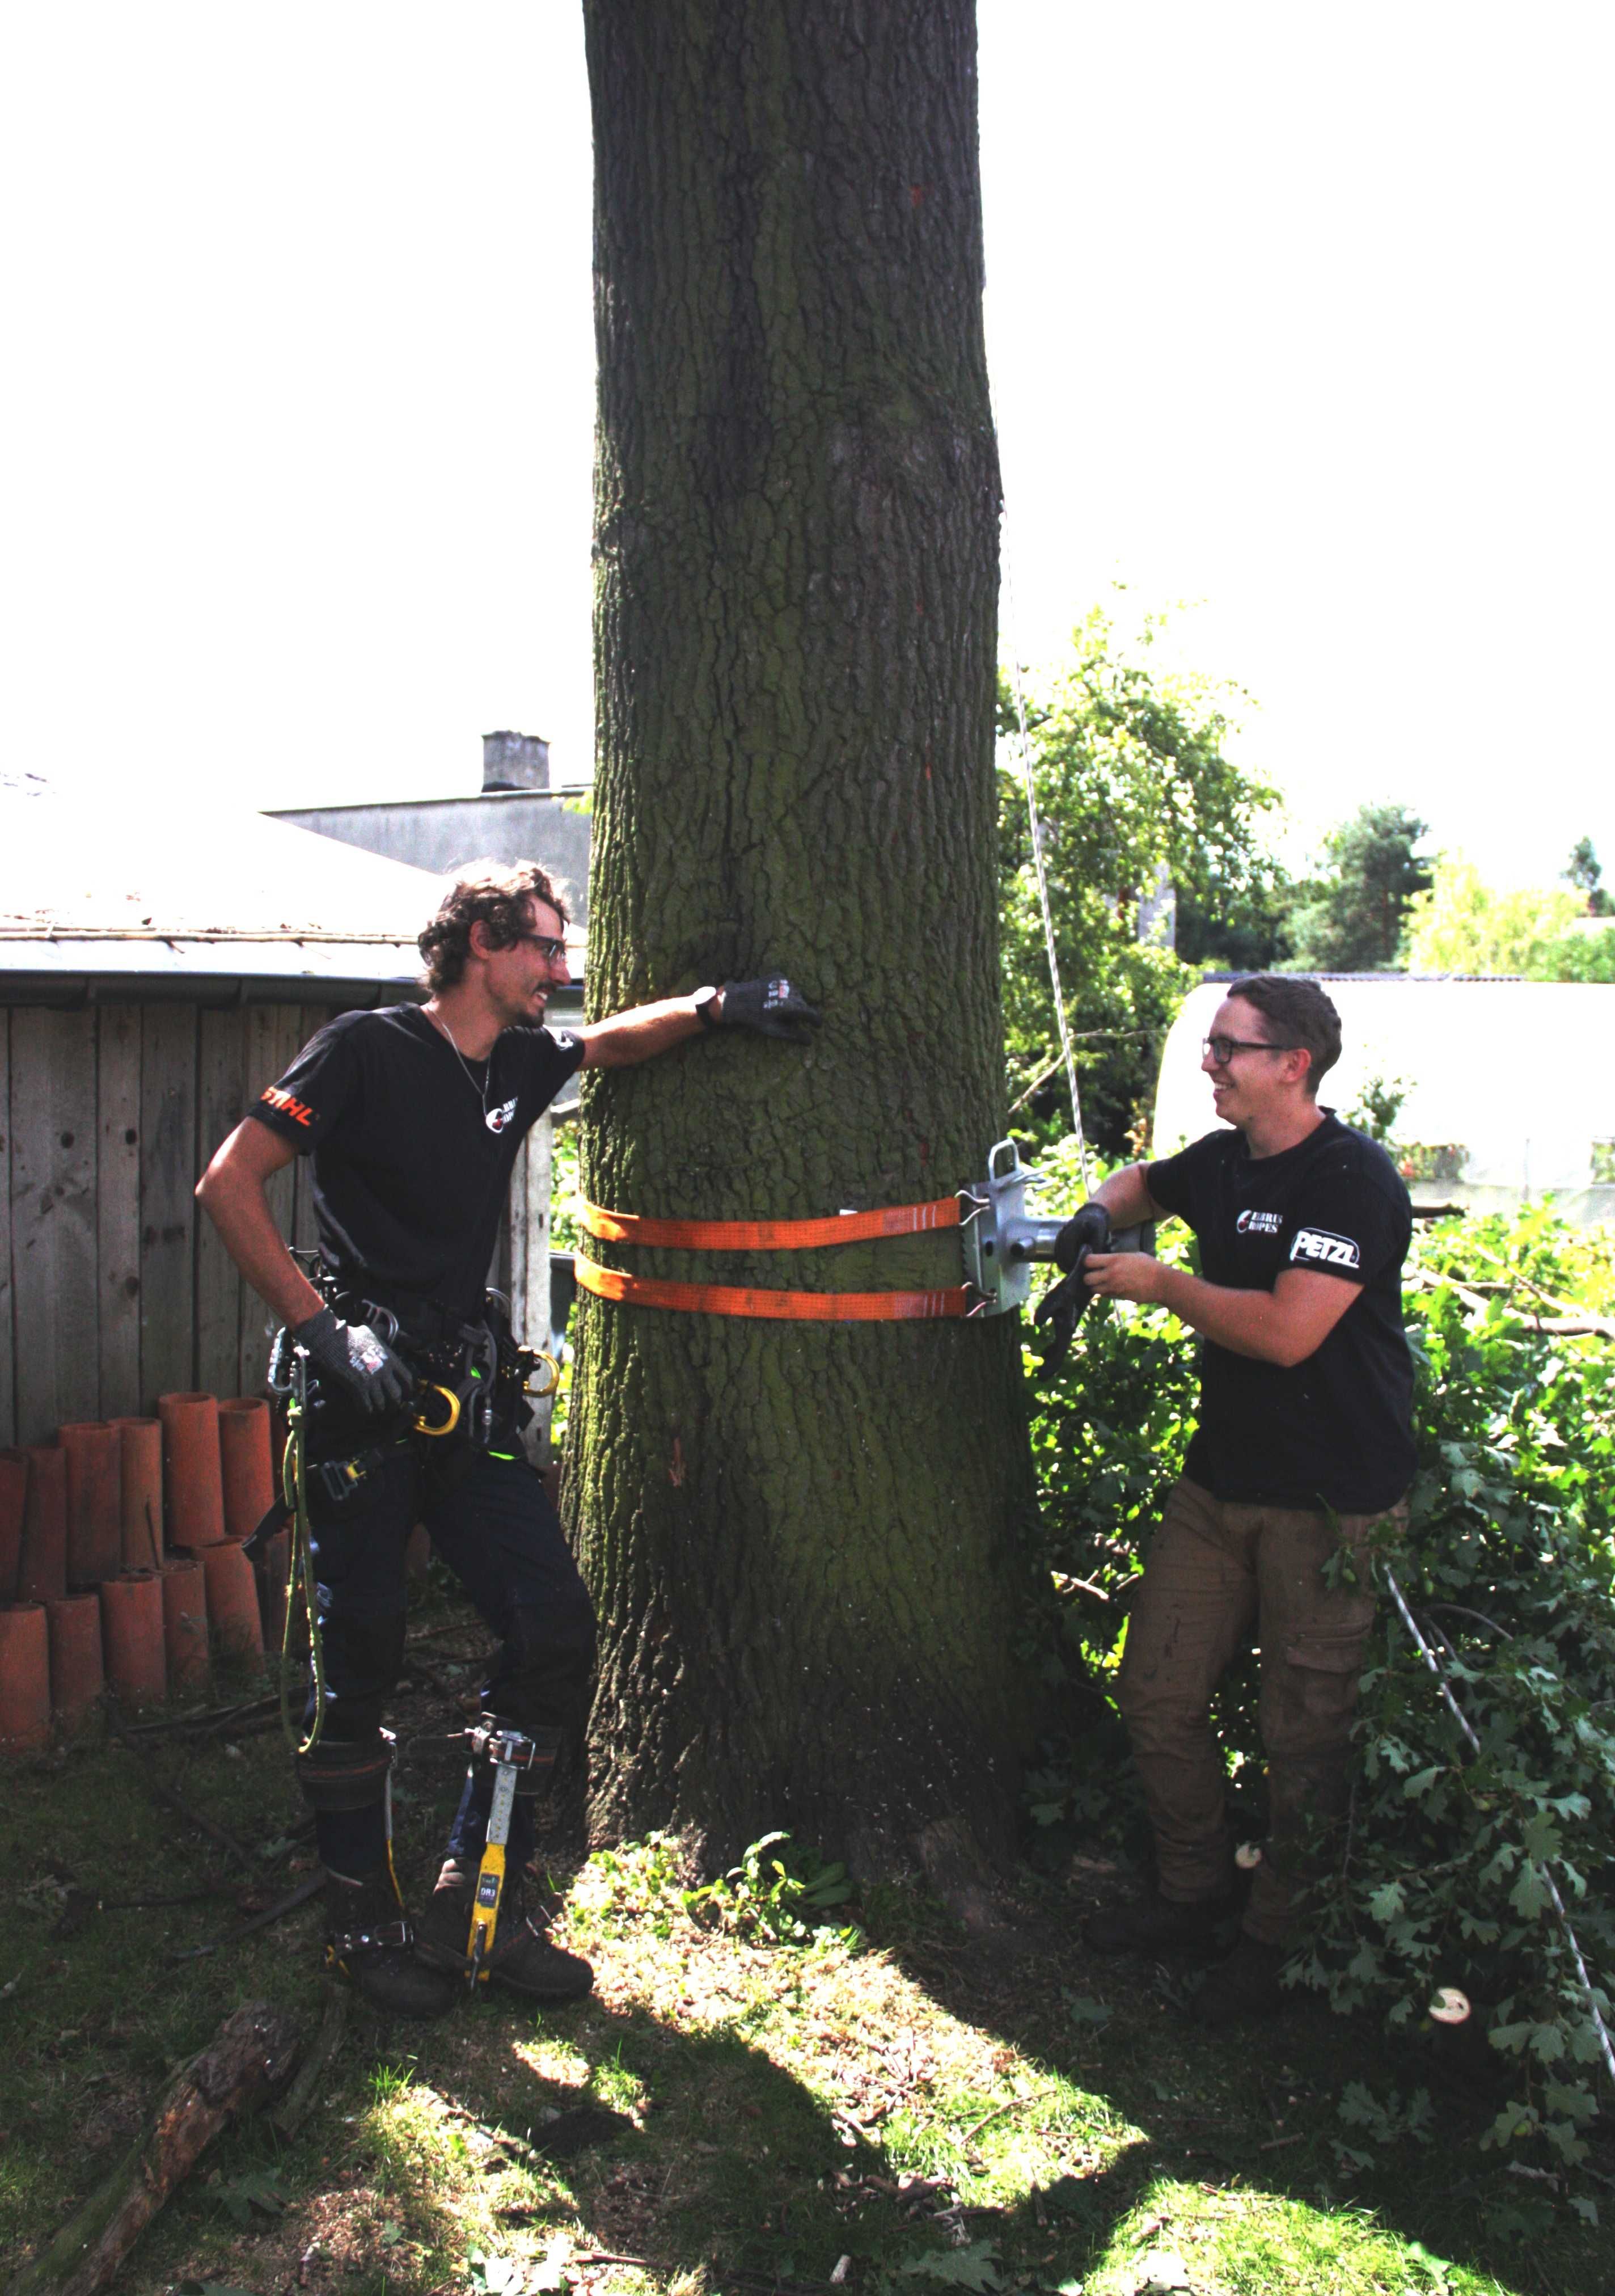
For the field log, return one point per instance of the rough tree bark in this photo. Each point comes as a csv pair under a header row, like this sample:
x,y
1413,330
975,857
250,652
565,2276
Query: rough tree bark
x,y
805,1540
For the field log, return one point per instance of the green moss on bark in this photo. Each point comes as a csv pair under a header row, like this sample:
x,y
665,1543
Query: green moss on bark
x,y
803,1540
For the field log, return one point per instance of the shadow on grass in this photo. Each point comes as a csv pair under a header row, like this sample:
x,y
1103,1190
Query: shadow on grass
x,y
1254,2107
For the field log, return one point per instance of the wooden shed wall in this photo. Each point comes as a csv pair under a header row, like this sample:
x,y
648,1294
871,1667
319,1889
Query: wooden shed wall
x,y
114,1288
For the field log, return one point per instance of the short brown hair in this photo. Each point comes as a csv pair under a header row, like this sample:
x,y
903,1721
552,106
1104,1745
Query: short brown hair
x,y
1300,1012
488,893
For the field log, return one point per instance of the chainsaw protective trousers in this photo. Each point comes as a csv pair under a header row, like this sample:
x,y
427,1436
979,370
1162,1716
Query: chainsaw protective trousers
x,y
494,1526
1217,1571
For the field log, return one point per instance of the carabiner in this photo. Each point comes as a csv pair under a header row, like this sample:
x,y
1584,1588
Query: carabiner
x,y
423,1425
543,1356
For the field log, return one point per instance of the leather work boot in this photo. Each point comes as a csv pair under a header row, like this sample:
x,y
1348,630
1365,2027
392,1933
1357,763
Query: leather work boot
x,y
1157,1924
1244,1986
369,1941
523,1960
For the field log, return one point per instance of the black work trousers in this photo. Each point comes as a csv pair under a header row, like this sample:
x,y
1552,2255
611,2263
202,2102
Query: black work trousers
x,y
491,1521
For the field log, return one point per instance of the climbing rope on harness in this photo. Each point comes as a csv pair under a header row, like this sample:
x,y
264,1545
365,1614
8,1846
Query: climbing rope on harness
x,y
300,1574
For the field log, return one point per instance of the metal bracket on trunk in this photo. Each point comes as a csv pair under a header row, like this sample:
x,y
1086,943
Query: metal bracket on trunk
x,y
1001,1239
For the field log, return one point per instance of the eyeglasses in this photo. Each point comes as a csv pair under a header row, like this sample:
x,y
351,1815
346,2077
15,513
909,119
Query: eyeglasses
x,y
546,947
1220,1050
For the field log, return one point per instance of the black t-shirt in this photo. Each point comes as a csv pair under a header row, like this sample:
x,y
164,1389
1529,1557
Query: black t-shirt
x,y
412,1155
1334,1431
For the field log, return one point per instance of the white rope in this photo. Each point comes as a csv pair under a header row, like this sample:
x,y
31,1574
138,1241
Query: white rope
x,y
1436,1668
1067,1055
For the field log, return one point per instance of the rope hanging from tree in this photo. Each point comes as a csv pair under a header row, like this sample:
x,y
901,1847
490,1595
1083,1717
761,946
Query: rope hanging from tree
x,y
1063,1025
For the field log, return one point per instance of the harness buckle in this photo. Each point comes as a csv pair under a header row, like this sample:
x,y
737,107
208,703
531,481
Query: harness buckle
x,y
338,1477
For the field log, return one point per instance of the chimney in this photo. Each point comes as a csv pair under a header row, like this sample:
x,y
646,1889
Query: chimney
x,y
514,761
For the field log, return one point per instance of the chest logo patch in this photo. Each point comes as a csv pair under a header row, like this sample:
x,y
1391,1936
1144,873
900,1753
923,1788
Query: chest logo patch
x,y
498,1118
1250,1223
1325,1249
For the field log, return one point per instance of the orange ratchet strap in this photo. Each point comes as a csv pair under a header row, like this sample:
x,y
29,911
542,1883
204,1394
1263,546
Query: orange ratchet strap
x,y
781,1306
772,1235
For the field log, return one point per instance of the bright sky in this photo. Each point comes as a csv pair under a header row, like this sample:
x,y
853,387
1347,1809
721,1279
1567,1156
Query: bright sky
x,y
1295,312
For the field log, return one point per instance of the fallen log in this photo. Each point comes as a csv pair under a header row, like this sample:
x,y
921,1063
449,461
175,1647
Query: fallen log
x,y
247,2063
299,2100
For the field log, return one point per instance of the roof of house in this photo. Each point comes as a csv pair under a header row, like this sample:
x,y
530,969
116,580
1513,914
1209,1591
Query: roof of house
x,y
136,895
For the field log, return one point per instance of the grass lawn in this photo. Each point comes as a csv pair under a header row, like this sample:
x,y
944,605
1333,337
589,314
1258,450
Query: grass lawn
x,y
907,2107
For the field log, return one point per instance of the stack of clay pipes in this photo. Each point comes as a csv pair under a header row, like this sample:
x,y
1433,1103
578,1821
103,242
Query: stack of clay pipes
x,y
121,1562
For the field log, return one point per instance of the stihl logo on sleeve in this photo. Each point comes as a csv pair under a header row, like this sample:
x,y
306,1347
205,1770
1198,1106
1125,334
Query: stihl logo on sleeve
x,y
498,1118
299,1110
1325,1249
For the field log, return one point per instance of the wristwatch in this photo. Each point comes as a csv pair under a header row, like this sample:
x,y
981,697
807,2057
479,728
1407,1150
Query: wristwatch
x,y
705,1001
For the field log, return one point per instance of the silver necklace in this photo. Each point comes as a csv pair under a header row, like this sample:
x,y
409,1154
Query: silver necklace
x,y
481,1090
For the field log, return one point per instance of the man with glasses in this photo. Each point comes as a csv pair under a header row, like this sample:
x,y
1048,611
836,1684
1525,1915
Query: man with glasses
x,y
412,1116
1303,1443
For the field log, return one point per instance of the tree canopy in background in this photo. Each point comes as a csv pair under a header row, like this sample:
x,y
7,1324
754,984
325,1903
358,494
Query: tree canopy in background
x,y
1135,793
1349,916
1584,870
1461,924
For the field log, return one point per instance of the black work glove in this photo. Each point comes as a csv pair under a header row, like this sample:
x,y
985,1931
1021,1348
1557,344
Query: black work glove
x,y
1063,1304
772,1007
359,1360
1089,1231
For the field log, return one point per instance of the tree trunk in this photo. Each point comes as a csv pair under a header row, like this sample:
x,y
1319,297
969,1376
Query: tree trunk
x,y
805,1540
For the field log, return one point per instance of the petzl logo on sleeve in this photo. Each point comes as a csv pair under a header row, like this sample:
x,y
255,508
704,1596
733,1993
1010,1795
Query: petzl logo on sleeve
x,y
1324,1249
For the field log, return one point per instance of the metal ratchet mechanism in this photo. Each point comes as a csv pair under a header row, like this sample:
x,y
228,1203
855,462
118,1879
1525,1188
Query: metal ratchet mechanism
x,y
509,1752
1002,1239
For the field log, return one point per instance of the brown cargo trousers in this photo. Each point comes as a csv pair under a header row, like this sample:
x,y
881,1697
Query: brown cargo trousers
x,y
1216,1570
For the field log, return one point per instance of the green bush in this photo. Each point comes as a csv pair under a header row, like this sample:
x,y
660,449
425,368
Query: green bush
x,y
1508,1562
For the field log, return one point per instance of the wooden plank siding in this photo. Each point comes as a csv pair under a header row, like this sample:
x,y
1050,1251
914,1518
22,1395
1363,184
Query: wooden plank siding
x,y
53,1203
114,1288
167,1209
118,1117
220,1106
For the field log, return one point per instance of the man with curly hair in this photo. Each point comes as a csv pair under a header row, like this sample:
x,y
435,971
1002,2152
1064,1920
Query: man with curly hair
x,y
411,1117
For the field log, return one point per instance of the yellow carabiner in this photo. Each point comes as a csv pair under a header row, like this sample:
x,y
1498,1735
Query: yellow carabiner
x,y
554,1377
423,1425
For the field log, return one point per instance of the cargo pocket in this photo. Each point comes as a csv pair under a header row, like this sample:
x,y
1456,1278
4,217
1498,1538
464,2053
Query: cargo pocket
x,y
1308,1708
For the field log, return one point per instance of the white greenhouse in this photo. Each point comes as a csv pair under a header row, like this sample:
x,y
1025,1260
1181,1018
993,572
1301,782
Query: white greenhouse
x,y
1509,1086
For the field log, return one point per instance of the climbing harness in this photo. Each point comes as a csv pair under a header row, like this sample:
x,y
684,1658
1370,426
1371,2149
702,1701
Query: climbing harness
x,y
483,1375
1473,1742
